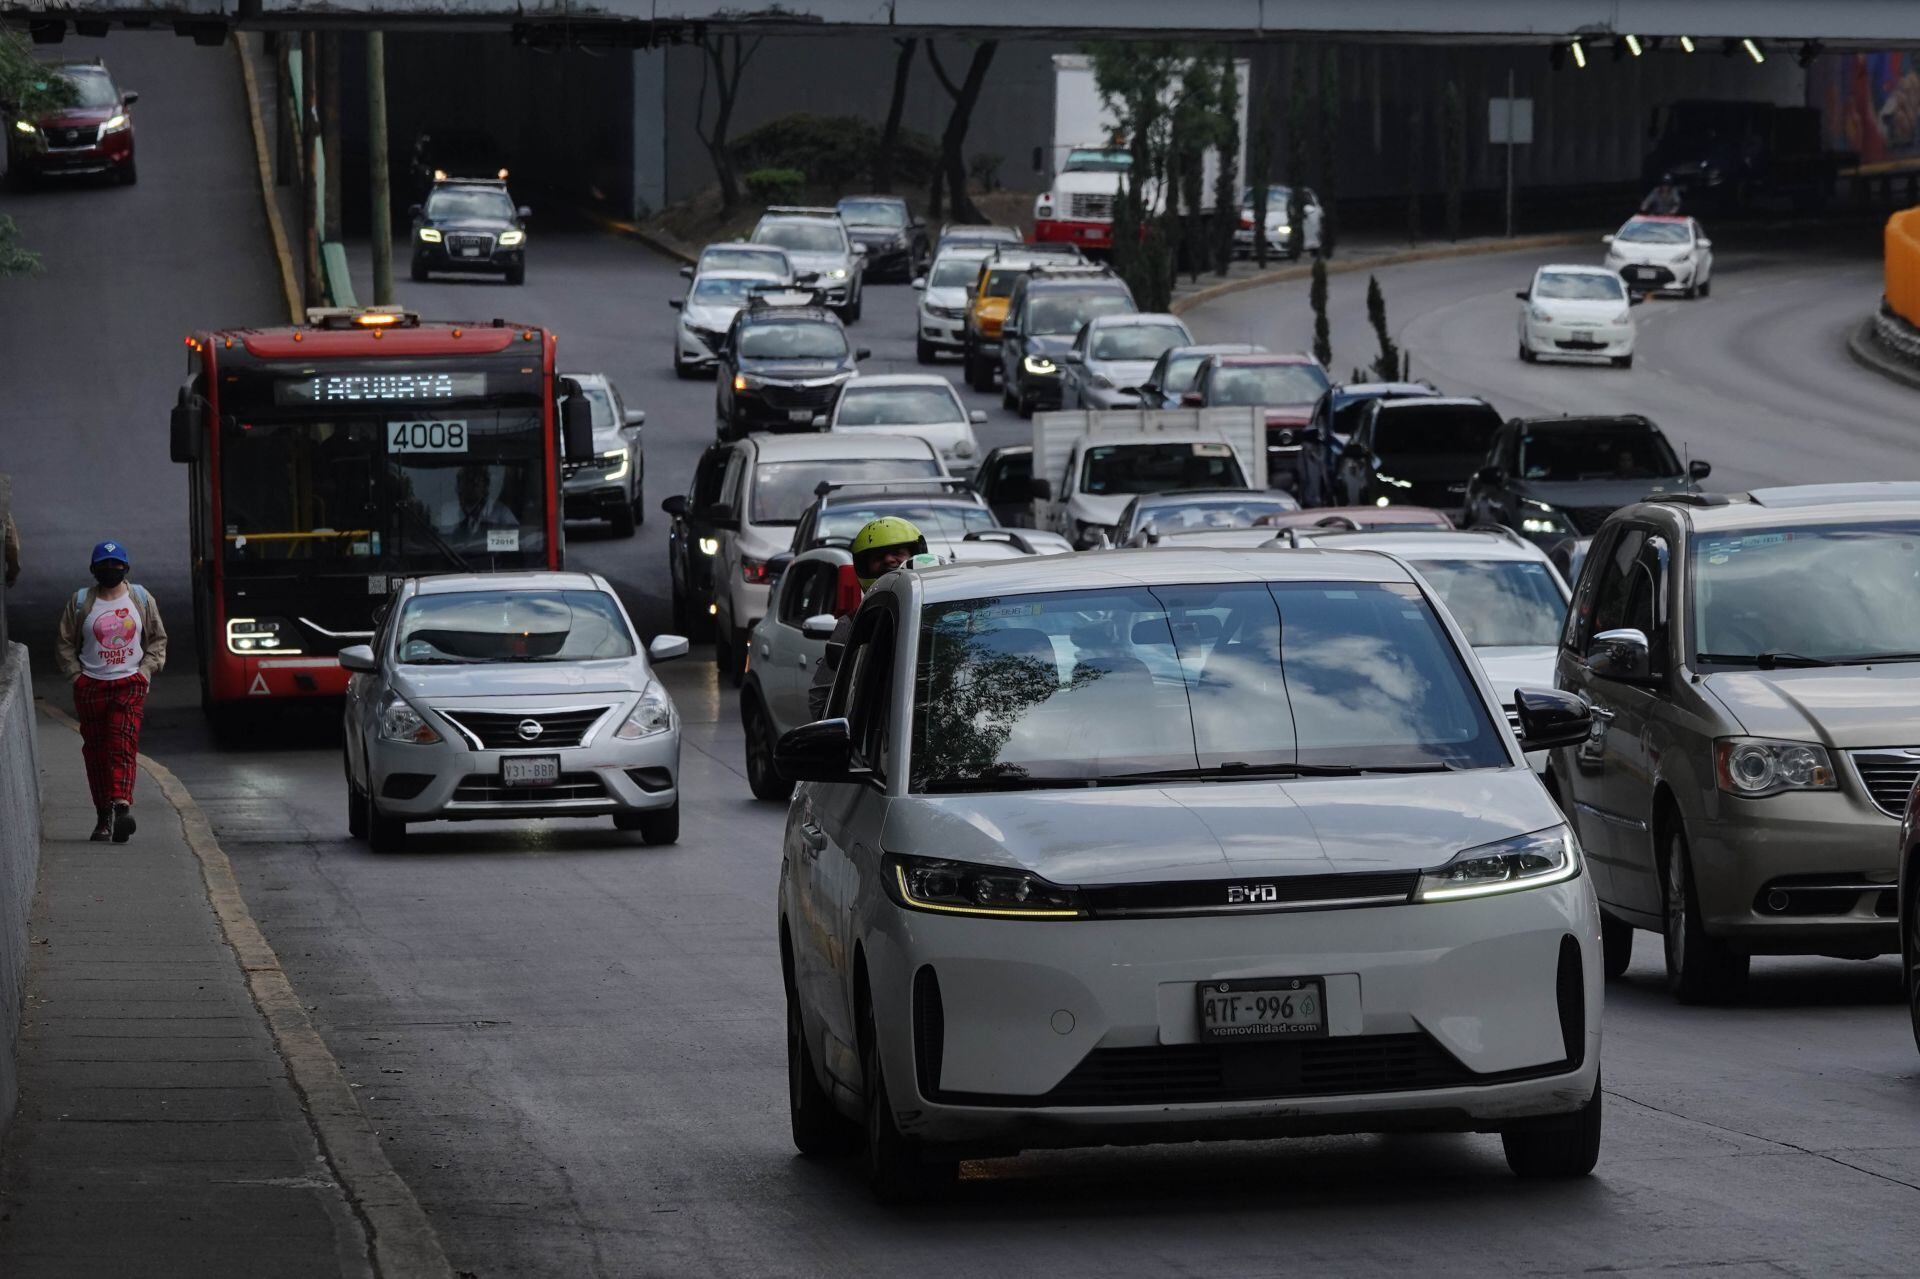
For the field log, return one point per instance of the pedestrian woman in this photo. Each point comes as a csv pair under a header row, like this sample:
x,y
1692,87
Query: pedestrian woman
x,y
111,643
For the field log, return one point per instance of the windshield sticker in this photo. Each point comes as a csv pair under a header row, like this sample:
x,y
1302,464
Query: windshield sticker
x,y
502,539
1204,449
427,437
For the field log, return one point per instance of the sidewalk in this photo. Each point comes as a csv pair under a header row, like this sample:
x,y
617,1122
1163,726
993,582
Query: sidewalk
x,y
158,1132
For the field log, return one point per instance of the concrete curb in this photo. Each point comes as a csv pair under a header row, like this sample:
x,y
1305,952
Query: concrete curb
x,y
289,281
660,244
1865,348
1343,266
401,1241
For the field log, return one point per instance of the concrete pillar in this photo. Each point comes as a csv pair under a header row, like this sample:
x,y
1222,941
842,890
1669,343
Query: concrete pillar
x,y
649,132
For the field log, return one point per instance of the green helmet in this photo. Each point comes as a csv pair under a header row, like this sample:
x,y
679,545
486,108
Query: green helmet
x,y
879,536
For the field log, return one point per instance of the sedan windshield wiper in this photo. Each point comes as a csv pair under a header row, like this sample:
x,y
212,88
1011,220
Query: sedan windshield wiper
x,y
1768,660
1235,770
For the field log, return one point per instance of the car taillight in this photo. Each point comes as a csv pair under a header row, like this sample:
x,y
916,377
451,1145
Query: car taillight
x,y
752,570
1246,224
847,595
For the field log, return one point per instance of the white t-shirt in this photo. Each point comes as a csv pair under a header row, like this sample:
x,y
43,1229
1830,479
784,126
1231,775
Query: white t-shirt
x,y
110,645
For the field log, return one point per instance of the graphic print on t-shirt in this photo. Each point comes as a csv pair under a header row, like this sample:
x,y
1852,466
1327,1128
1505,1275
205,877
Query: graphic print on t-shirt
x,y
113,632
110,647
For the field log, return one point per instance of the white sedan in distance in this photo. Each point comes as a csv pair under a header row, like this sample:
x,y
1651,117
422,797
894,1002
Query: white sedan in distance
x,y
944,293
923,405
1577,313
1083,855
1662,255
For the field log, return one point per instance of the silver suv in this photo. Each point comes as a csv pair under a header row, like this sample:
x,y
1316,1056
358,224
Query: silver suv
x,y
1756,696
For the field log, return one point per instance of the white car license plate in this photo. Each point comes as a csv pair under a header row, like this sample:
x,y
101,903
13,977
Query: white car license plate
x,y
799,415
530,770
1263,1008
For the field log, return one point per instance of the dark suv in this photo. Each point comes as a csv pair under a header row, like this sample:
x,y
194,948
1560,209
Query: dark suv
x,y
895,240
1331,425
470,224
1550,479
1044,315
1416,452
779,367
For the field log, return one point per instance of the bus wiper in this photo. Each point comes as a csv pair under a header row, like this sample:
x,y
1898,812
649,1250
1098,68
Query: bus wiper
x,y
407,511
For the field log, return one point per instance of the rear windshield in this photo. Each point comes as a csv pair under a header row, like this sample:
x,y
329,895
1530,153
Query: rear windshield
x,y
898,406
1136,341
800,340
1250,384
1057,313
1596,453
1499,603
1440,430
810,237
1155,468
470,627
782,491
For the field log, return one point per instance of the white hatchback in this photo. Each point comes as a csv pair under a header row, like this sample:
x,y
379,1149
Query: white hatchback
x,y
1577,313
1662,255
1083,857
923,405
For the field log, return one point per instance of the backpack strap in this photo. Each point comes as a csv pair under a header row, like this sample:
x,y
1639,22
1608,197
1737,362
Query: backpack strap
x,y
80,599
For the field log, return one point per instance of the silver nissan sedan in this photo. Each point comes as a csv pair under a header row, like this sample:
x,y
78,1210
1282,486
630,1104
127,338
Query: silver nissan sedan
x,y
508,695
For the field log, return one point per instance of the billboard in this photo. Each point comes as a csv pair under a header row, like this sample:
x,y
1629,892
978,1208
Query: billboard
x,y
1870,105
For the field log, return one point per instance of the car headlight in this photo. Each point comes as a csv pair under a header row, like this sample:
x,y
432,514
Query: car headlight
x,y
619,460
1103,382
961,888
709,546
24,126
747,382
1538,517
1625,317
115,123
1549,856
512,239
838,273
1280,228
1037,364
653,713
1756,766
399,722
258,634
429,236
1542,316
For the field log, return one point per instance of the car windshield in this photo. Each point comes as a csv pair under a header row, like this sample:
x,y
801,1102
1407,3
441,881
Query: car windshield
x,y
1180,371
1000,280
1499,603
1152,684
1835,592
1212,512
954,272
82,89
950,521
1579,286
745,258
1137,341
1643,231
793,340
1155,468
1439,430
898,406
808,237
1249,384
1596,452
782,491
471,202
873,213
1097,160
979,235
602,405
730,291
1063,312
466,627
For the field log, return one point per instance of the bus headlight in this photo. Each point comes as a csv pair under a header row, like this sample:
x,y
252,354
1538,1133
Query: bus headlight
x,y
261,634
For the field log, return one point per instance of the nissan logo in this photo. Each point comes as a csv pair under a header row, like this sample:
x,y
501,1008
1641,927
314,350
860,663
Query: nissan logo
x,y
529,729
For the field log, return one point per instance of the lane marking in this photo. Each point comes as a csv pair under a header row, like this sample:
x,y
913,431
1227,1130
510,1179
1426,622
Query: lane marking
x,y
401,1242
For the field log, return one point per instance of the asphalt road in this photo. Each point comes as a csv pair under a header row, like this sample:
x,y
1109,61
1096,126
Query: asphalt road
x,y
573,1043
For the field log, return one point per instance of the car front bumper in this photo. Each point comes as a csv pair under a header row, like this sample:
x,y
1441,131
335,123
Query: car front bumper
x,y
1562,341
592,495
1086,234
1055,1033
435,257
113,151
947,333
1656,277
608,775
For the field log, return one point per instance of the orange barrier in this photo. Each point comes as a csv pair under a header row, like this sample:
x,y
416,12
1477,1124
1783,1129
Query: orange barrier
x,y
1903,265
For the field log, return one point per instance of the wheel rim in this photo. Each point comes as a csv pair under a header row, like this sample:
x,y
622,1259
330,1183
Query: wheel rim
x,y
794,1050
757,754
1676,907
1913,962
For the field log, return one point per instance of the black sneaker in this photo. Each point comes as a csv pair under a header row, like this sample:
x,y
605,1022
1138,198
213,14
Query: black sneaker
x,y
102,829
123,823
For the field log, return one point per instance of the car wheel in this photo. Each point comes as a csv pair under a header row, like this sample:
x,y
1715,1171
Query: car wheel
x,y
1526,354
1623,361
621,517
1910,952
762,777
419,271
661,825
356,811
852,313
1023,404
897,1171
979,375
1556,1146
1007,399
1700,969
681,369
923,351
737,658
1616,945
384,834
1705,289
129,174
820,1131
517,274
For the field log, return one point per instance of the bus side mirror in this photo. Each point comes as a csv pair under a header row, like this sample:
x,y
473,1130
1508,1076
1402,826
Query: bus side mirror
x,y
184,433
576,426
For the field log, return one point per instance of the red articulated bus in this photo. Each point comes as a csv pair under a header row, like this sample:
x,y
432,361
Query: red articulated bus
x,y
325,460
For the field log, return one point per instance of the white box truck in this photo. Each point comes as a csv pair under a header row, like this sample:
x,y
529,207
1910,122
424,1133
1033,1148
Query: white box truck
x,y
1089,159
1087,466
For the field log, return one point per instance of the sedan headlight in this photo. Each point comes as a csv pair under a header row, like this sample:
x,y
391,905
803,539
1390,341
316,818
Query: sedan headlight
x,y
512,239
838,273
1038,364
962,448
429,236
652,714
961,888
1754,767
1103,382
709,546
261,634
1545,857
400,722
747,382
1542,317
115,123
1625,317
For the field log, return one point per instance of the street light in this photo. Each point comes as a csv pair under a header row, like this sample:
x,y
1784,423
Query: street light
x,y
1633,45
1686,44
1753,50
1579,55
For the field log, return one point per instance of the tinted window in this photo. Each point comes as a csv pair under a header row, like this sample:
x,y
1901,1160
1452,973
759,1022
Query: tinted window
x,y
950,521
512,626
782,491
1596,452
1838,592
1059,312
799,340
898,406
744,258
1436,431
1136,341
1155,468
469,202
953,272
873,213
1209,680
1249,384
1499,603
1579,286
808,237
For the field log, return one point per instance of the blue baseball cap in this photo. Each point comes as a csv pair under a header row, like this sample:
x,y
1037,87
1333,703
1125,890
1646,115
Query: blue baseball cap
x,y
110,551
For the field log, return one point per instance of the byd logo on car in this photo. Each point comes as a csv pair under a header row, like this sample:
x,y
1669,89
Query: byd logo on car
x,y
1252,894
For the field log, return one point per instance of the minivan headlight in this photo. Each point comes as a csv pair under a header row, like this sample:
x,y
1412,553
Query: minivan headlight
x,y
1754,767
1548,856
400,722
653,713
962,888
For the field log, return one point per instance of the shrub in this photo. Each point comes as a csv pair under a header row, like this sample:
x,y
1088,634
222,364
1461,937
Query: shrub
x,y
835,152
776,186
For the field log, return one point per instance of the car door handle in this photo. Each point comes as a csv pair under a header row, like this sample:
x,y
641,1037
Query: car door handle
x,y
812,839
1601,712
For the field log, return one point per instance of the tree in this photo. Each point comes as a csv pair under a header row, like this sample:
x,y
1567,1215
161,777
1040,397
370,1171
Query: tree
x,y
1386,365
724,65
896,107
1226,183
1317,298
25,83
1453,155
1329,148
1135,80
1299,113
953,142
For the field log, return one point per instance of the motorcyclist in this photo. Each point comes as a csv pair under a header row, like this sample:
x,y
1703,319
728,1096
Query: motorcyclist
x,y
1663,200
881,546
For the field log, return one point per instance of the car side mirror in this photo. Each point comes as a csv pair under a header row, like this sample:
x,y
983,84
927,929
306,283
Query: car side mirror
x,y
919,281
1621,654
1606,239
576,424
1705,243
1073,357
861,353
818,627
719,515
818,752
664,648
675,505
636,417
860,250
976,417
359,657
1523,294
128,98
1010,328
414,210
1549,718
1635,299
686,272
183,431
1699,470
1490,475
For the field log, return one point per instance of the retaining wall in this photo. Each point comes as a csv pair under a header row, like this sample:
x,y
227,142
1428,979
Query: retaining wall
x,y
19,855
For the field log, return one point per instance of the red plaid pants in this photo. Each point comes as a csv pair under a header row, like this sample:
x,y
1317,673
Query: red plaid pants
x,y
110,712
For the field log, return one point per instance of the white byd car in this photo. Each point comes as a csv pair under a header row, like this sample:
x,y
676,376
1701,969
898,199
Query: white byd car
x,y
923,405
504,695
707,312
1662,255
1577,313
1084,856
942,316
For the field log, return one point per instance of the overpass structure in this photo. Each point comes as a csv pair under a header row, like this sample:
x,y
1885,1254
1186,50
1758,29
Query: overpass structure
x,y
1875,24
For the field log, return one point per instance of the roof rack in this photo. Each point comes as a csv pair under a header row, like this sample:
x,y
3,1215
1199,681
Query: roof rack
x,y
772,296
1498,530
888,488
1009,536
804,210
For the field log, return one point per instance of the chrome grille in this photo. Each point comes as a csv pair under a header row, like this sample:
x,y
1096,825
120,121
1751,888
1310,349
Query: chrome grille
x,y
500,730
84,135
457,243
1889,775
487,788
1090,205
